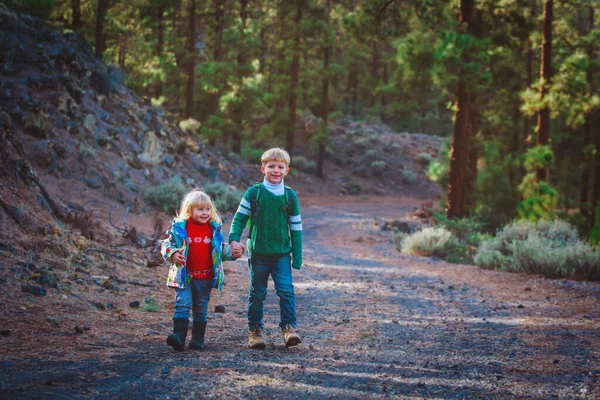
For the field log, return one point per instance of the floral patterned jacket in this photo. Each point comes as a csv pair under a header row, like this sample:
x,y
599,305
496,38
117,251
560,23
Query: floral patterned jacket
x,y
178,239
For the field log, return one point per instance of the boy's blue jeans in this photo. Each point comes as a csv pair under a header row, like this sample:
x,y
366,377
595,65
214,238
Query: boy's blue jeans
x,y
194,297
280,268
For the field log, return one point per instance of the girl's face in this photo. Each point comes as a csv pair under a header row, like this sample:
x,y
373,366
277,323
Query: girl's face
x,y
201,213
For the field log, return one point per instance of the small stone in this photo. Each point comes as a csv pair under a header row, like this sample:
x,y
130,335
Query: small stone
x,y
346,320
53,320
134,304
520,306
86,327
164,370
528,289
220,309
78,329
5,332
108,285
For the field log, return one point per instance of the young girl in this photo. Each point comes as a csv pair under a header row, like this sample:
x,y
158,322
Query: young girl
x,y
196,249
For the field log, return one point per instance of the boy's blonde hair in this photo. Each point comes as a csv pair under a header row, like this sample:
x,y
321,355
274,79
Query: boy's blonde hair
x,y
275,154
197,198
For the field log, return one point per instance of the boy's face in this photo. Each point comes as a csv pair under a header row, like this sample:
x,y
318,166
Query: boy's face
x,y
275,171
201,214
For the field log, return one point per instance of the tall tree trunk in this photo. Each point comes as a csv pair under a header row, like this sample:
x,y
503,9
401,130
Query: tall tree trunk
x,y
218,51
457,201
122,53
375,72
324,106
191,66
586,172
353,87
596,185
100,15
241,59
76,7
294,73
159,49
543,133
530,56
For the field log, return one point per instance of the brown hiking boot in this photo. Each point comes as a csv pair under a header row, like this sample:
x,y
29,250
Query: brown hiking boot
x,y
255,340
290,336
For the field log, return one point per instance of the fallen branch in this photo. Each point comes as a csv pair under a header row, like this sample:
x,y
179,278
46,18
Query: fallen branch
x,y
135,283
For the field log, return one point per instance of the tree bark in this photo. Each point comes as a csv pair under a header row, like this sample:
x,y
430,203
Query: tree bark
x,y
294,73
457,202
100,16
191,67
543,133
241,59
530,58
324,106
122,53
596,185
586,171
159,48
217,54
76,8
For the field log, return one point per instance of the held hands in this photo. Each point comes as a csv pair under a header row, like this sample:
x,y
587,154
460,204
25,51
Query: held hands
x,y
237,249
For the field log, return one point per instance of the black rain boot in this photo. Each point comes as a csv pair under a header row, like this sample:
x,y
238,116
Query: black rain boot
x,y
177,339
198,330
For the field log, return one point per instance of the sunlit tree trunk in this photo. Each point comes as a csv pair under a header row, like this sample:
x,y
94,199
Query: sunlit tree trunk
x,y
101,11
122,53
294,73
457,202
191,66
543,133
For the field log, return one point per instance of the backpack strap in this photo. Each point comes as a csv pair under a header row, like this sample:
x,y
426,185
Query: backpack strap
x,y
254,208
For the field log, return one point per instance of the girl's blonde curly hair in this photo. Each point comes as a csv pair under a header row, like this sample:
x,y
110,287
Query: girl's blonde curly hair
x,y
197,198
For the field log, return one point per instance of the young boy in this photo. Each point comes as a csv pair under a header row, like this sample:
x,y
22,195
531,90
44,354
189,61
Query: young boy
x,y
275,231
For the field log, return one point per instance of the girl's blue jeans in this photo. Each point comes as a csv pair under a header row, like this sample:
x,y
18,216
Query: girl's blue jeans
x,y
280,269
194,297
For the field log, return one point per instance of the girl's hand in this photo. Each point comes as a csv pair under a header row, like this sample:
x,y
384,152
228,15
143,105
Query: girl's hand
x,y
178,258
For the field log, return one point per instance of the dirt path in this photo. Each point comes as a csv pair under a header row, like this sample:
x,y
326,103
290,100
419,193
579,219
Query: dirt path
x,y
375,324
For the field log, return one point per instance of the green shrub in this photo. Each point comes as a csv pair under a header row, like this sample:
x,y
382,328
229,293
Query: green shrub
x,y
352,189
38,8
409,176
378,167
225,197
305,165
550,248
86,151
595,233
252,155
190,126
167,196
150,305
425,158
468,229
371,153
430,242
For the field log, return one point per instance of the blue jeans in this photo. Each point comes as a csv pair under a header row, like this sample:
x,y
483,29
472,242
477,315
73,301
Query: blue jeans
x,y
194,297
280,269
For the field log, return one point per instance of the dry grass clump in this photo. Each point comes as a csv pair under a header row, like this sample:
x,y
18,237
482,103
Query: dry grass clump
x,y
549,248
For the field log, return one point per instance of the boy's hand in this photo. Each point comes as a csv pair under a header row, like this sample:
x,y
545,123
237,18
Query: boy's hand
x,y
178,258
237,249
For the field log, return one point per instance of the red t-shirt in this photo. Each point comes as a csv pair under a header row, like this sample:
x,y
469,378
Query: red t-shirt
x,y
199,260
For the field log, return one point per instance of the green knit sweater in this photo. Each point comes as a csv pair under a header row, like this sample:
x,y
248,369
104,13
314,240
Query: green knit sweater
x,y
272,235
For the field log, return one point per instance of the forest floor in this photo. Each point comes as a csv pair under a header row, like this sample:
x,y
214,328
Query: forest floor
x,y
374,323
